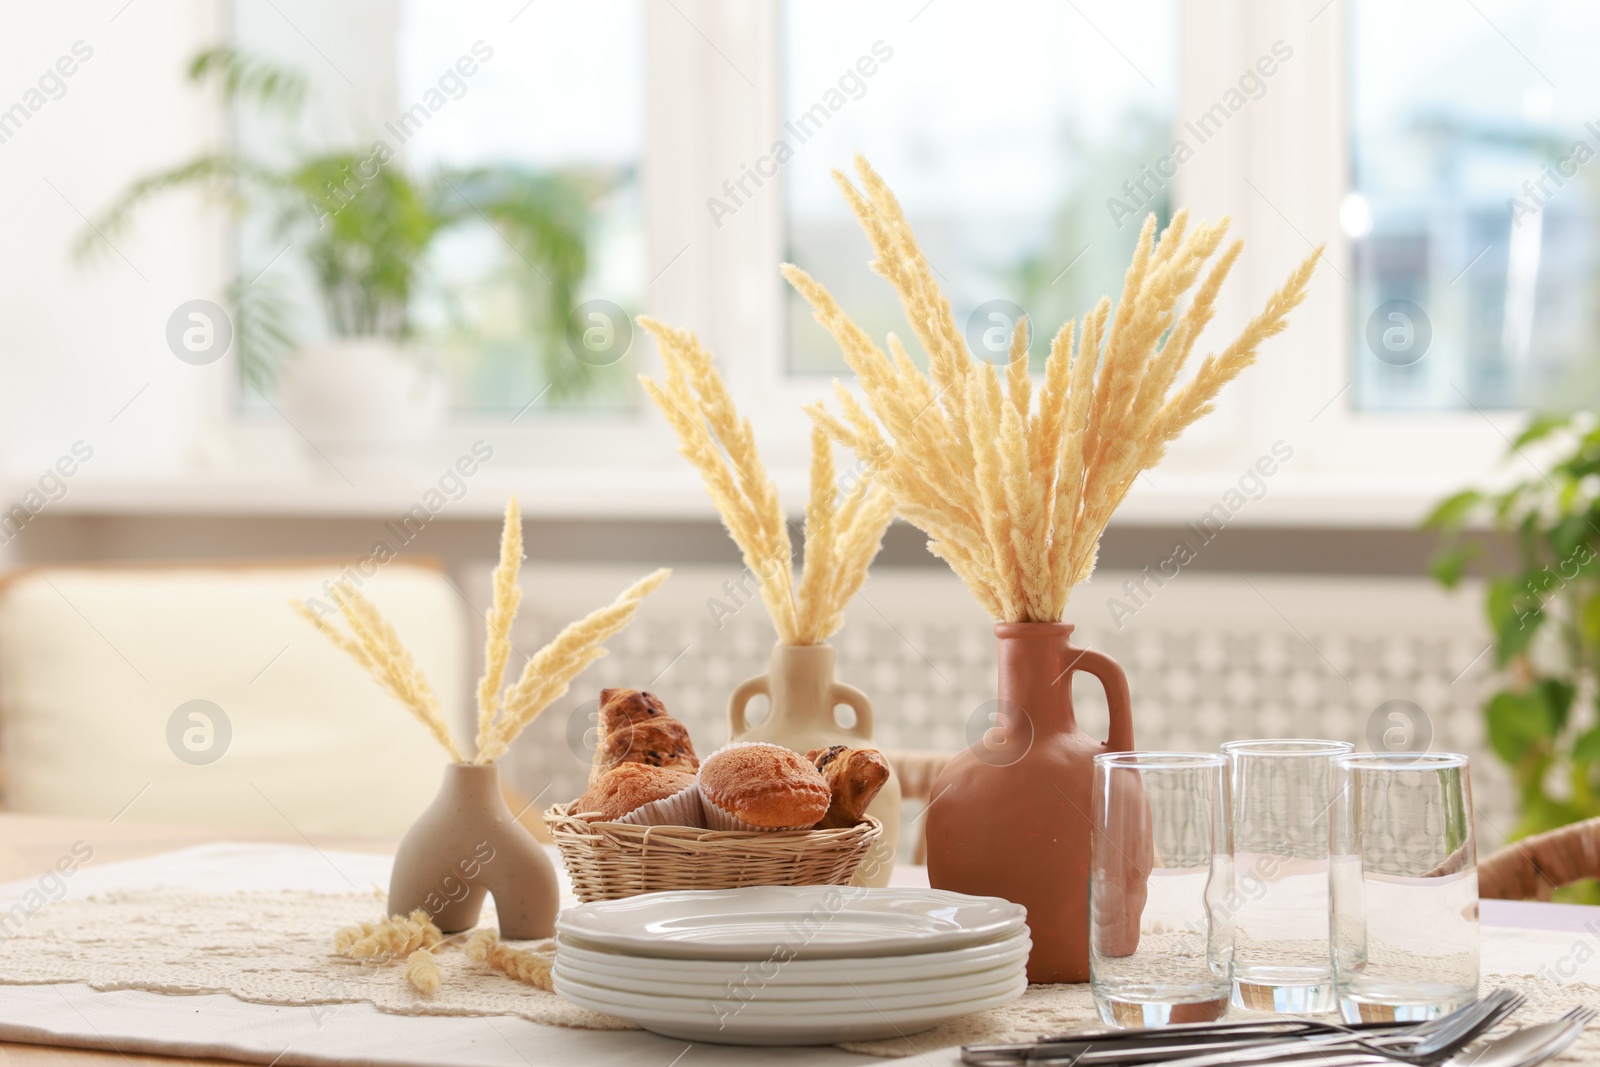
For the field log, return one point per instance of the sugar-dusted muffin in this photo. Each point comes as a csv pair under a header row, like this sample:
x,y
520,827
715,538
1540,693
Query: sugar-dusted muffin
x,y
636,793
621,708
661,742
754,786
854,777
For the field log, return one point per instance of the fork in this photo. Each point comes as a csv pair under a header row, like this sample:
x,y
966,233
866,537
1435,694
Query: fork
x,y
1458,1030
1426,1044
1133,1046
1533,1044
1520,1048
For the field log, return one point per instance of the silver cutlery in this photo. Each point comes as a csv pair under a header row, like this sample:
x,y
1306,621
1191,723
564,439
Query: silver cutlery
x,y
1425,1044
1456,1030
1521,1048
1429,1041
1531,1044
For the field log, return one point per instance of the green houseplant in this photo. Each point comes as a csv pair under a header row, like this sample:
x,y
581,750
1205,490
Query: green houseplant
x,y
363,227
1543,607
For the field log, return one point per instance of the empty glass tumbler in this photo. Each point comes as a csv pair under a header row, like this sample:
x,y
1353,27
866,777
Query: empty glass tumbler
x,y
1404,885
1281,792
1159,943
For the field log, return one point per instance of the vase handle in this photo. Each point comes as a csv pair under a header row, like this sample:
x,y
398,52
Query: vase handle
x,y
1119,738
737,723
856,699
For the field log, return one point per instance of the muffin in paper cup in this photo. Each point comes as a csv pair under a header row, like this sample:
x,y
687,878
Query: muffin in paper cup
x,y
631,792
752,785
683,808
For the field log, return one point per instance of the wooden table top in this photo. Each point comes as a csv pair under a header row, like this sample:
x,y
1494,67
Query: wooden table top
x,y
30,844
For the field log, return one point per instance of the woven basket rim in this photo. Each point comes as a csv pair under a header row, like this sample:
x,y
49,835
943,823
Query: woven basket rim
x,y
558,819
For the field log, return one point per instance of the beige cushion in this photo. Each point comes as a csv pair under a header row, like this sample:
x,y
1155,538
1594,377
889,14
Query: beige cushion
x,y
94,663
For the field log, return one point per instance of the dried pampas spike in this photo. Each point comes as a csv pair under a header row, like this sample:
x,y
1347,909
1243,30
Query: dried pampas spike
x,y
1015,499
502,613
346,938
373,643
844,526
531,968
392,939
375,646
551,670
423,973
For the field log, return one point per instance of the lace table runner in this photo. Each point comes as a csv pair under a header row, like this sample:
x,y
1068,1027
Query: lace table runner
x,y
275,948
262,947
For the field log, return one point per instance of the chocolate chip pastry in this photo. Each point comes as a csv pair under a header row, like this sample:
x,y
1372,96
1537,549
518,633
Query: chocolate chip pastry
x,y
625,707
635,728
854,776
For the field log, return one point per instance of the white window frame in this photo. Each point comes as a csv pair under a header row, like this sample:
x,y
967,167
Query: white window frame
x,y
1350,468
705,120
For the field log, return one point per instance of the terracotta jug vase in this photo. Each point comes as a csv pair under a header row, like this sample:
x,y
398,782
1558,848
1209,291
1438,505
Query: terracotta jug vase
x,y
802,694
466,845
1010,815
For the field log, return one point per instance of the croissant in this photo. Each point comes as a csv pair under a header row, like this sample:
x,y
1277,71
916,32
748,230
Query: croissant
x,y
854,776
658,742
625,707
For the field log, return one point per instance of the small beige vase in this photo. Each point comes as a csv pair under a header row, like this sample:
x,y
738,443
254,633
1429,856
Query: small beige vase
x,y
800,687
466,845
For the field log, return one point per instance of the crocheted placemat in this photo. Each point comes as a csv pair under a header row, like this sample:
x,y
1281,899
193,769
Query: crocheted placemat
x,y
262,947
276,947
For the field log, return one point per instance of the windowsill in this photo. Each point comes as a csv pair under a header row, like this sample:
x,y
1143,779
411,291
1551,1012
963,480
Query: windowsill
x,y
643,494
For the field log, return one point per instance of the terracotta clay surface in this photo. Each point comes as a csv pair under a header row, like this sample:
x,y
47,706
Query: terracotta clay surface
x,y
1010,815
466,845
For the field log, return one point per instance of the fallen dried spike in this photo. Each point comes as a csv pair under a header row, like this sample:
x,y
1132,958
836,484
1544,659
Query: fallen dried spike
x,y
392,939
423,973
528,967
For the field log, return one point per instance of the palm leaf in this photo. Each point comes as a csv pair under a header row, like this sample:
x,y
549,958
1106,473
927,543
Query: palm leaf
x,y
243,76
223,177
262,312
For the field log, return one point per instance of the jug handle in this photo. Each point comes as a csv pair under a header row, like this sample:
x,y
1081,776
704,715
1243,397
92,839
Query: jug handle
x,y
1119,738
737,723
855,698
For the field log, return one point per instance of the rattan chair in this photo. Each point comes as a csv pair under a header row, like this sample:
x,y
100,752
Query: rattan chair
x,y
1537,866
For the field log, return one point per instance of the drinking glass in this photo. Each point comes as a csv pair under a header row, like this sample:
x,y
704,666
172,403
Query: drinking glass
x,y
1282,790
1159,873
1404,886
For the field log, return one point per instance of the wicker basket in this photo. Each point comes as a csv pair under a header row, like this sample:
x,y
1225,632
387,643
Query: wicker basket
x,y
608,860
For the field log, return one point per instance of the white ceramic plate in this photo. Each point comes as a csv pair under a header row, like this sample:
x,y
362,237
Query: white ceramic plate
x,y
802,922
700,1023
828,974
755,1001
772,984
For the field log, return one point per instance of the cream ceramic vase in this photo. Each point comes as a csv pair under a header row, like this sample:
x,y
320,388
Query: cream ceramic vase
x,y
802,695
468,845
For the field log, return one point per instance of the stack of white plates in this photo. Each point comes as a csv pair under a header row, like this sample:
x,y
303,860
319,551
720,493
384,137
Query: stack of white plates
x,y
792,965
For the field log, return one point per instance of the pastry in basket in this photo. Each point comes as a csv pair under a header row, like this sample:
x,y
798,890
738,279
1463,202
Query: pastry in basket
x,y
755,786
661,742
854,776
625,707
648,796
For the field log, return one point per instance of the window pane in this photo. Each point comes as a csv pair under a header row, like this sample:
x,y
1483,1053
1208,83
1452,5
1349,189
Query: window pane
x,y
486,119
1005,129
547,108
1473,207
